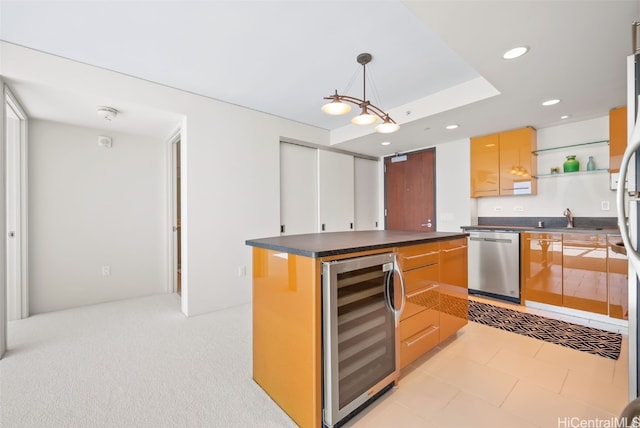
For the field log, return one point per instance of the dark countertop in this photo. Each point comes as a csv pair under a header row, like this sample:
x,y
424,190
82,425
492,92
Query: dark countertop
x,y
586,230
336,243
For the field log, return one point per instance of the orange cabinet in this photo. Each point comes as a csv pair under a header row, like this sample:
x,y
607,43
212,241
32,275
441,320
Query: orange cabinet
x,y
454,291
517,163
617,137
485,165
617,278
419,328
436,304
542,267
503,164
584,272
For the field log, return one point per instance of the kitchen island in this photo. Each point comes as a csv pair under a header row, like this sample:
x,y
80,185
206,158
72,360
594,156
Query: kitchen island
x,y
287,304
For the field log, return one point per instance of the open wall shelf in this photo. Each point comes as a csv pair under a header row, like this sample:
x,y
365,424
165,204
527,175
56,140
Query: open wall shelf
x,y
536,152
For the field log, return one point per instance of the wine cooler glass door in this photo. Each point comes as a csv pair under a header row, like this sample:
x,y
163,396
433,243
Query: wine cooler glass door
x,y
358,332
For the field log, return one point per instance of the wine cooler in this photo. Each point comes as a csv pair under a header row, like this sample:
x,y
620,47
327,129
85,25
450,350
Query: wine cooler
x,y
359,324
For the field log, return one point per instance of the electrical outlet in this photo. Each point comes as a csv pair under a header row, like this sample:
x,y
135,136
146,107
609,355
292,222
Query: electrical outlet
x,y
518,209
242,271
106,270
498,209
604,206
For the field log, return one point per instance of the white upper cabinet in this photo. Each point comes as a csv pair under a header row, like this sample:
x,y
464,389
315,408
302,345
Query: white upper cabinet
x,y
335,191
298,189
366,194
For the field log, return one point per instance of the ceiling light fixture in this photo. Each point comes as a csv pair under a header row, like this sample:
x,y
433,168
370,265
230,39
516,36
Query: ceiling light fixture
x,y
565,116
550,102
107,113
515,52
369,113
386,143
454,126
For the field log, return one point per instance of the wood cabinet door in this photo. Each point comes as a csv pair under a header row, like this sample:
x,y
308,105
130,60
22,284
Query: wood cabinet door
x,y
584,272
410,192
542,267
454,304
485,166
517,167
617,137
617,278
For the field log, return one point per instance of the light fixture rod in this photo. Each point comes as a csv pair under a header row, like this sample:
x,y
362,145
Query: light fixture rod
x,y
364,104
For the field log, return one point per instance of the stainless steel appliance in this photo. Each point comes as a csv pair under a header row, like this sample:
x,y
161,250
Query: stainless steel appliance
x,y
359,323
494,264
629,222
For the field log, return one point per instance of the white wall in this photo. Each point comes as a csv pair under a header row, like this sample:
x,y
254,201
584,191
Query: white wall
x,y
89,207
454,207
230,169
583,194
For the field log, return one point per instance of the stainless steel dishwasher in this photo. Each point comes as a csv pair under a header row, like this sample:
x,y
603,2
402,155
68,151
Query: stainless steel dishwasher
x,y
494,264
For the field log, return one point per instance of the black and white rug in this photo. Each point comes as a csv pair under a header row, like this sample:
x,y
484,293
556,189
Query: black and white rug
x,y
586,339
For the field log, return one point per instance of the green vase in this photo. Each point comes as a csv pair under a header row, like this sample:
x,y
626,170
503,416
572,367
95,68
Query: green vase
x,y
571,164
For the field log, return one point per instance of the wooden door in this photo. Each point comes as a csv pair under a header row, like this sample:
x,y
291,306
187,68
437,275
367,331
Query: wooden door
x,y
409,183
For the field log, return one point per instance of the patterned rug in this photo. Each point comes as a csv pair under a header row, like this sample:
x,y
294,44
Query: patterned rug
x,y
586,339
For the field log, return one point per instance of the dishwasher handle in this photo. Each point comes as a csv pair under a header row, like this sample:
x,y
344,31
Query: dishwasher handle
x,y
507,241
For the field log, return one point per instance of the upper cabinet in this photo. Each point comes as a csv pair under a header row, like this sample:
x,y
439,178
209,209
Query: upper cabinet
x,y
502,164
617,137
485,166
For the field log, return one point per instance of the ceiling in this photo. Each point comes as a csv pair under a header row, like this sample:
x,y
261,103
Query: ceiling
x,y
435,63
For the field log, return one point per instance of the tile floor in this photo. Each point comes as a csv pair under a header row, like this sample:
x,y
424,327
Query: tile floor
x,y
487,377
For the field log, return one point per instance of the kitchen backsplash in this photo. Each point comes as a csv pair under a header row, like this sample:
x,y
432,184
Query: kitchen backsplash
x,y
550,222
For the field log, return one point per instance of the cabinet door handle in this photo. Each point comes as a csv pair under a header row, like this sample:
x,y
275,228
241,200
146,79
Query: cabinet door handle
x,y
454,249
432,329
420,255
433,286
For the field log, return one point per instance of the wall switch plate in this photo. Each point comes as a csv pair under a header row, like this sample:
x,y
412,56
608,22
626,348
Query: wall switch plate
x,y
604,206
498,209
518,209
242,271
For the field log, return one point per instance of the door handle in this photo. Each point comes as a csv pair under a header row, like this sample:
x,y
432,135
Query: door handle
x,y
427,224
633,145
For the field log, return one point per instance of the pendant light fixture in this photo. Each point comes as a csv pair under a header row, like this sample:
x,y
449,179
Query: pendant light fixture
x,y
369,113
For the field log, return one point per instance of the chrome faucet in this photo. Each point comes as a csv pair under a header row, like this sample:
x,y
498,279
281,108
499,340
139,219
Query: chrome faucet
x,y
569,216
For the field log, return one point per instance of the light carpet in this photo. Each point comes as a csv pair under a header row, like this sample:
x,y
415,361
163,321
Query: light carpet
x,y
133,363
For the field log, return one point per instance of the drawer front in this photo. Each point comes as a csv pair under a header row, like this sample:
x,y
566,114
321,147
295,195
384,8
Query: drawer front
x,y
453,244
420,300
421,279
419,255
418,335
543,236
422,320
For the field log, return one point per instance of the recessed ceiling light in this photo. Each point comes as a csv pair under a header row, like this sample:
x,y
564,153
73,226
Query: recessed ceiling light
x,y
385,143
515,52
454,126
565,116
550,102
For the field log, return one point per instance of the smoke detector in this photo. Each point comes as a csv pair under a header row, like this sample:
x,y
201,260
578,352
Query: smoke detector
x,y
107,113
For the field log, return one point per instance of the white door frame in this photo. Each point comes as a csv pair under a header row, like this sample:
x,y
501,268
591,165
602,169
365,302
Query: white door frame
x,y
172,250
17,203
